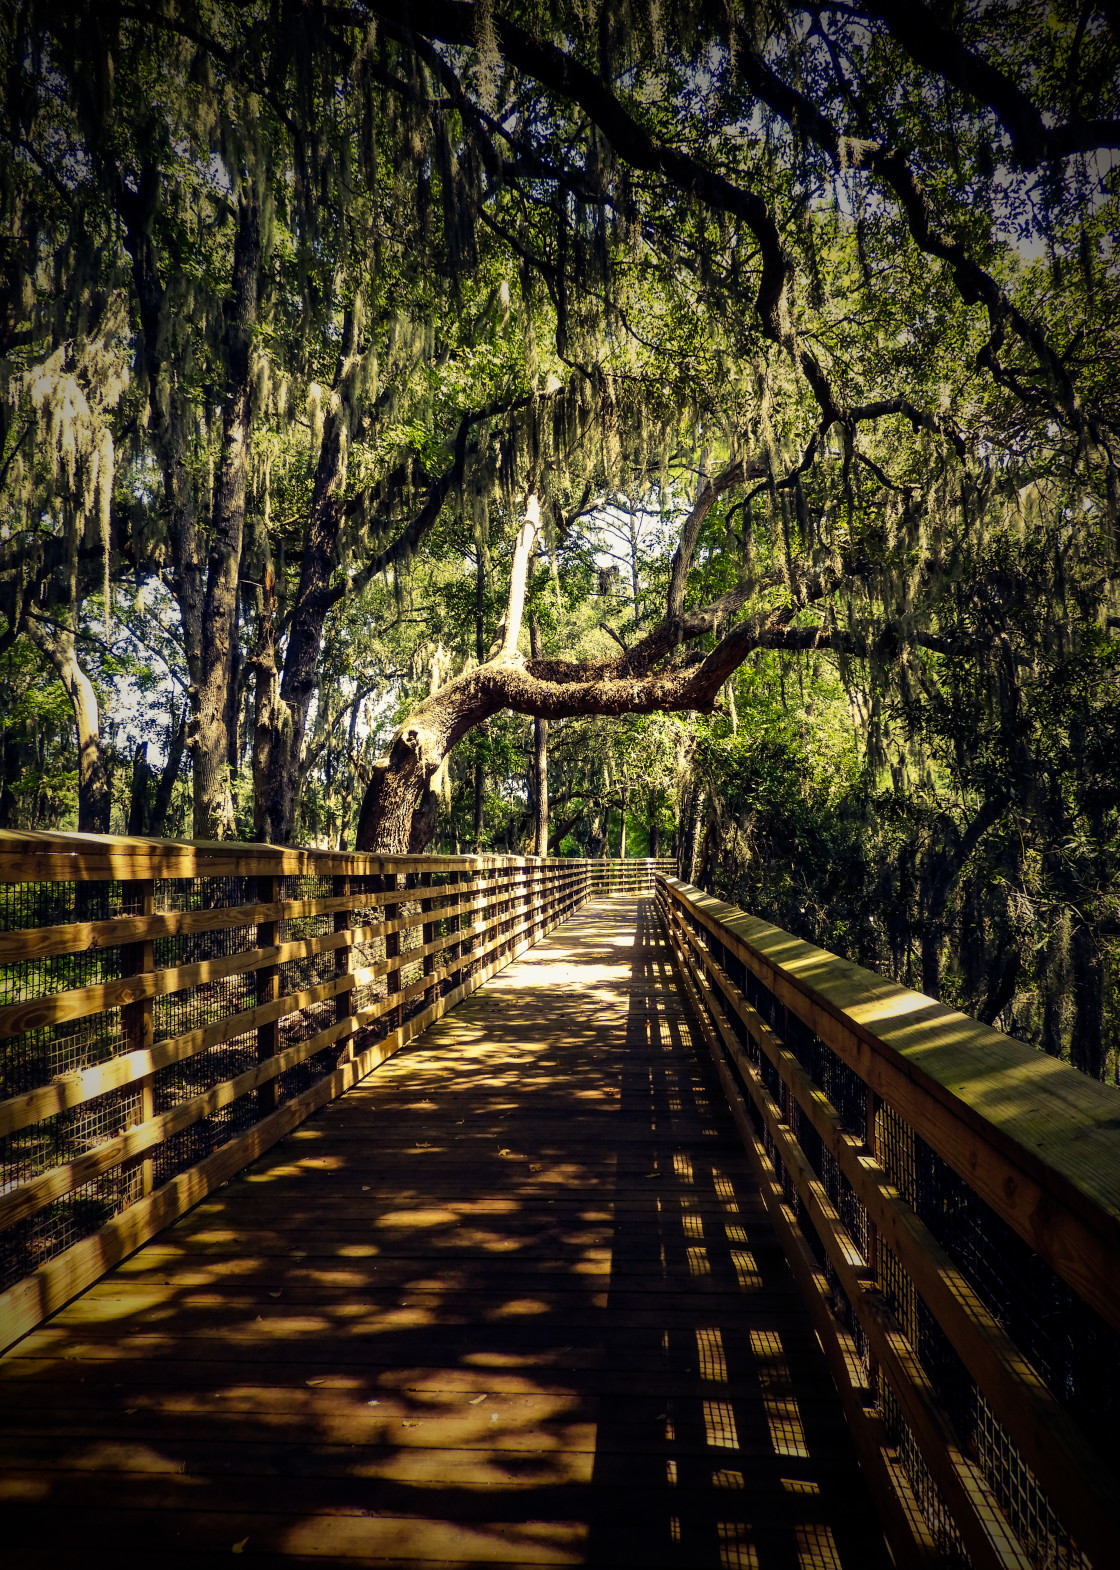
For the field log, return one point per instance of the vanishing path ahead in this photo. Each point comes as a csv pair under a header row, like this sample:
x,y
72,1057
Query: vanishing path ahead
x,y
513,1300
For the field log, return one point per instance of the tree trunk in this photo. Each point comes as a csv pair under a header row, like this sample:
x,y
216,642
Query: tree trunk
x,y
94,790
622,830
940,876
351,771
10,771
157,818
266,717
654,827
705,852
480,656
691,843
479,801
206,571
540,759
216,683
931,960
390,820
1087,1049
281,722
1001,989
558,834
142,776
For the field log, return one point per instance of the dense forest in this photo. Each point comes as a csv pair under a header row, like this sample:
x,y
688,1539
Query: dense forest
x,y
600,428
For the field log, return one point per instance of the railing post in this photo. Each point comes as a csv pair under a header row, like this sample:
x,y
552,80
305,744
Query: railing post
x,y
268,990
428,931
870,1142
137,1018
455,925
506,906
394,1018
343,962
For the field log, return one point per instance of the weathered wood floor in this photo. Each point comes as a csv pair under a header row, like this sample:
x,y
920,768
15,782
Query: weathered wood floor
x,y
511,1301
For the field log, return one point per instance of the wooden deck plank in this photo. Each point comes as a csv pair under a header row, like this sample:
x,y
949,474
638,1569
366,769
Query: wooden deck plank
x,y
513,1300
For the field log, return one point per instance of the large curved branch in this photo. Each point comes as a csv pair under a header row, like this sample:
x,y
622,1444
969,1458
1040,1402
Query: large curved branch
x,y
416,530
452,22
734,474
974,283
935,48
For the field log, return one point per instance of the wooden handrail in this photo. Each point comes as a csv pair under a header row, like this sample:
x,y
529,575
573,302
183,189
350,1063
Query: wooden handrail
x,y
150,987
1028,1138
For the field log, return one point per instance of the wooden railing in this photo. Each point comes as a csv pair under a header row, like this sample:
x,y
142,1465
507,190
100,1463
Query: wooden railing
x,y
949,1201
631,876
168,1011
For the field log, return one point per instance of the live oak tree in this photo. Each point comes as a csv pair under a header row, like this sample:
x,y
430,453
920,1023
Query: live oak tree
x,y
827,291
1004,387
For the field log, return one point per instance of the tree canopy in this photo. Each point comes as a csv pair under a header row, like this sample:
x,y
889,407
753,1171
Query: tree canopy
x,y
592,426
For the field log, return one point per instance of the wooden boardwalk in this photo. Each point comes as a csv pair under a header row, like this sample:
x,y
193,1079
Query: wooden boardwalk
x,y
511,1301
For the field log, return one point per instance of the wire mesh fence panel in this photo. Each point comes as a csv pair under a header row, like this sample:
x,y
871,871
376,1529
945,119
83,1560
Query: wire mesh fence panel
x,y
168,1008
1053,1337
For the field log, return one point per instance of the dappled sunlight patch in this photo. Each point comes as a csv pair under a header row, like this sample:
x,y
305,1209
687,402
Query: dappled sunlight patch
x,y
430,1216
710,1352
24,1490
115,1456
334,1382
275,1328
801,1485
719,1425
520,1308
142,1262
229,1268
737,1550
782,1413
450,1542
410,1316
896,1007
480,1238
357,1250
323,1275
490,1360
99,1310
746,1270
490,1206
816,1547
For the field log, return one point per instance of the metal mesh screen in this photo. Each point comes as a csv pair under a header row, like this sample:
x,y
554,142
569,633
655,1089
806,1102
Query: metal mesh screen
x,y
216,1010
1073,1350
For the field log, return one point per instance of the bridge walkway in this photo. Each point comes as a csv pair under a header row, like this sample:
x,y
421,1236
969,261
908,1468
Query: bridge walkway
x,y
511,1301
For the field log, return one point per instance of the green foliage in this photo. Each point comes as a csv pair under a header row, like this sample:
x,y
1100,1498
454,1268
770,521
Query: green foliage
x,y
473,289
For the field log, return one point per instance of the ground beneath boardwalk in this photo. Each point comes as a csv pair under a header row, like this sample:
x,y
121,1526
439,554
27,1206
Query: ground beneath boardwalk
x,y
512,1301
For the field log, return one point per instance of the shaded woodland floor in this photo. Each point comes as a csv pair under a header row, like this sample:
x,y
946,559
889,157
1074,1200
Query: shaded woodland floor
x,y
512,1301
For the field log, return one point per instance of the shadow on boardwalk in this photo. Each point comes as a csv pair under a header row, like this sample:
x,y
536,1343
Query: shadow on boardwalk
x,y
511,1301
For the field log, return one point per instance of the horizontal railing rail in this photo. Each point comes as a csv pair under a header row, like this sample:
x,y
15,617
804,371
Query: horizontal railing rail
x,y
169,1010
949,1201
